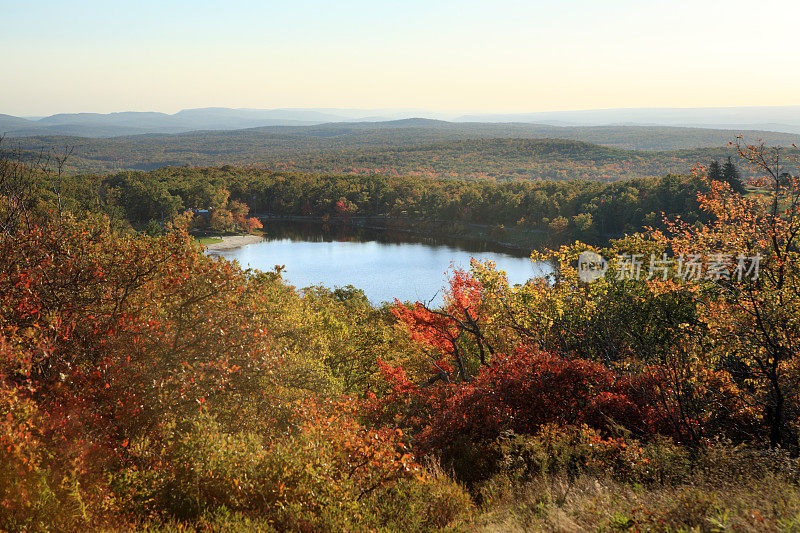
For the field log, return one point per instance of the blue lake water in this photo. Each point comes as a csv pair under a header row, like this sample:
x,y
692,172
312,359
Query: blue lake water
x,y
380,264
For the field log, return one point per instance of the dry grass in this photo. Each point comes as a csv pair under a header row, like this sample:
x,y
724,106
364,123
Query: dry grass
x,y
592,504
717,488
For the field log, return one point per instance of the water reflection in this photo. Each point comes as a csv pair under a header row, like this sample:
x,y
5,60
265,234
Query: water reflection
x,y
384,264
315,231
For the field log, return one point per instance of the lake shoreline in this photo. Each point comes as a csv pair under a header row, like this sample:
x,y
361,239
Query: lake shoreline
x,y
385,267
513,240
230,242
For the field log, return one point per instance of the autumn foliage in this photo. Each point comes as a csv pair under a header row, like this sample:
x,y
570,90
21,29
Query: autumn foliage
x,y
689,360
146,384
141,378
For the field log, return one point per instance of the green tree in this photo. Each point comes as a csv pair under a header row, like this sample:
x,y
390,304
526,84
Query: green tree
x,y
730,174
715,171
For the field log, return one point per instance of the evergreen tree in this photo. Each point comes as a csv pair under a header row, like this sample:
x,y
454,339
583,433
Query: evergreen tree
x,y
715,171
731,174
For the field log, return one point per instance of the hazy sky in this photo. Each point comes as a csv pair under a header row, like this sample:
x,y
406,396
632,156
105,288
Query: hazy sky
x,y
455,56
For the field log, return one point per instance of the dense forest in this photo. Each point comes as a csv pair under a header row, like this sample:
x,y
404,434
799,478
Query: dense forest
x,y
146,385
521,212
413,147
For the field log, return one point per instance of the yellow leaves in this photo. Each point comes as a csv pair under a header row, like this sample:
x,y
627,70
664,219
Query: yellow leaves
x,y
559,308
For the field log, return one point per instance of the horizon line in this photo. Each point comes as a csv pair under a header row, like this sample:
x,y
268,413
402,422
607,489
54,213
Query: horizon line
x,y
410,109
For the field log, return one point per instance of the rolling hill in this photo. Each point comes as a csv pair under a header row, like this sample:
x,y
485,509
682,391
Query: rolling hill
x,y
784,119
211,118
408,147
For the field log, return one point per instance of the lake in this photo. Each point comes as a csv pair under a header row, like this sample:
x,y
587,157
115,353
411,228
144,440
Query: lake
x,y
384,264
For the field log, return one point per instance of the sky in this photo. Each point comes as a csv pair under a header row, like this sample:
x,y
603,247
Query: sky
x,y
449,56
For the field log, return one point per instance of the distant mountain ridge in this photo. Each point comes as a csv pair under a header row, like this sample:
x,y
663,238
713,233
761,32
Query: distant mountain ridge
x,y
776,119
203,119
770,118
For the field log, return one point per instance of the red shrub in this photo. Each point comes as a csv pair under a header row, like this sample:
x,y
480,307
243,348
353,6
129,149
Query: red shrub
x,y
523,392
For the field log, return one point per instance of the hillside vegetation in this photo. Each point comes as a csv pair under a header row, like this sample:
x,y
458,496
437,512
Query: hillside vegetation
x,y
523,213
417,147
389,152
147,386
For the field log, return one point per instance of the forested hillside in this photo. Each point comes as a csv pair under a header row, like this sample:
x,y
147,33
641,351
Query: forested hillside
x,y
147,386
417,147
519,211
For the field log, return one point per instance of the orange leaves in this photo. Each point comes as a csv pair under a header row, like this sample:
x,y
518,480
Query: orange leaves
x,y
396,377
112,318
751,341
465,294
426,326
252,224
445,329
